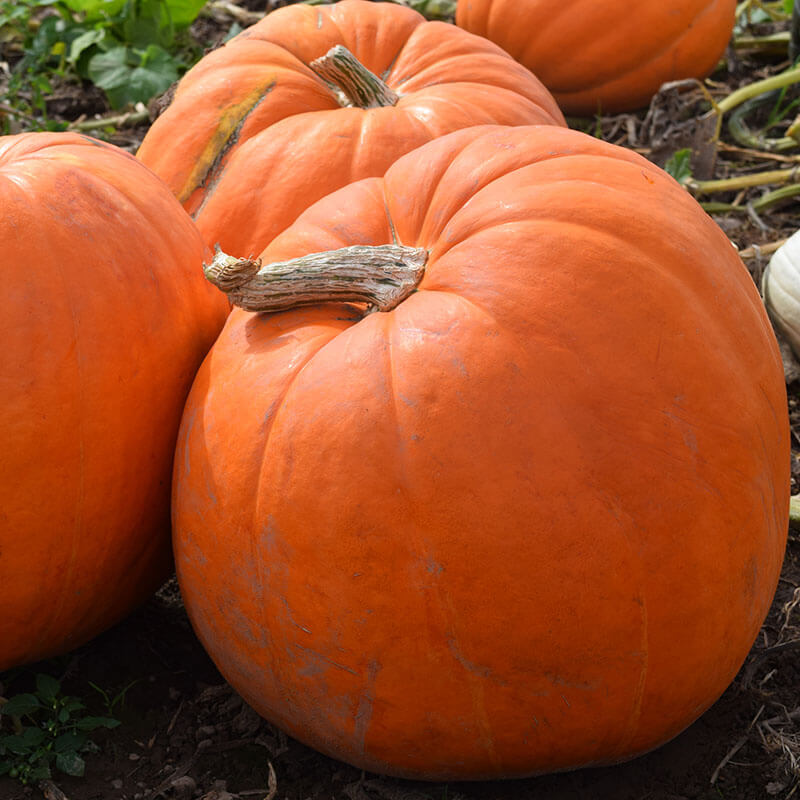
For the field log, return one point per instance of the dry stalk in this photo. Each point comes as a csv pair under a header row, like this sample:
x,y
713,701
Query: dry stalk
x,y
760,250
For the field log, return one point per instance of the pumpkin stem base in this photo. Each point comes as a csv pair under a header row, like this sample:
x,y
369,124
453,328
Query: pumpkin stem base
x,y
354,84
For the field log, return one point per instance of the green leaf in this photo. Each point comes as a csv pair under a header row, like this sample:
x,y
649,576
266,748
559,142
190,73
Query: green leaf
x,y
20,705
50,32
32,737
70,763
17,744
67,742
184,12
110,69
73,704
47,688
93,9
13,14
141,31
84,42
156,72
679,165
92,723
5,766
40,772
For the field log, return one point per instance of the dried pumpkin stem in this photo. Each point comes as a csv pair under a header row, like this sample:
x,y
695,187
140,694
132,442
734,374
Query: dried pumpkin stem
x,y
359,87
381,276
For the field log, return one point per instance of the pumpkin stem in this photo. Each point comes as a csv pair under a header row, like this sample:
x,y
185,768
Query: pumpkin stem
x,y
355,83
381,276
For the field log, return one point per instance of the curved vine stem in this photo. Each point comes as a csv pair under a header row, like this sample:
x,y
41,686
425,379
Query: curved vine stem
x,y
759,87
794,31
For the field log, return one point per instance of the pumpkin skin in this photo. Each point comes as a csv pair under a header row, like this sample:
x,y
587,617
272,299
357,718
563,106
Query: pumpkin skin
x,y
605,56
529,520
106,318
253,136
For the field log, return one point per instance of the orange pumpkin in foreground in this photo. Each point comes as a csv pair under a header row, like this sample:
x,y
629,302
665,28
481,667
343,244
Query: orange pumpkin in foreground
x,y
605,55
528,520
105,319
254,135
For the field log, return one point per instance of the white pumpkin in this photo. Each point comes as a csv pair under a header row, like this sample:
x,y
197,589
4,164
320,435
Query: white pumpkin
x,y
780,288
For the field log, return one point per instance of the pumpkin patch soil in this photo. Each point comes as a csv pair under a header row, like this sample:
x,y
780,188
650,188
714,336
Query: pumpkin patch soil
x,y
185,734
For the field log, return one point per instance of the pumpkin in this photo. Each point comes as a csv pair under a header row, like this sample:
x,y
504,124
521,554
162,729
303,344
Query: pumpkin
x,y
106,317
780,286
609,56
526,516
312,98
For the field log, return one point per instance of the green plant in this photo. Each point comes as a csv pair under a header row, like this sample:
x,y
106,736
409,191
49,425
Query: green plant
x,y
31,30
132,49
679,165
755,12
48,729
131,54
111,701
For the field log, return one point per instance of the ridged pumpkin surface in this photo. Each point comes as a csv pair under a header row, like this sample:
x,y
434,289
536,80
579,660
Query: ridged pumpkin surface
x,y
253,136
532,518
605,55
105,319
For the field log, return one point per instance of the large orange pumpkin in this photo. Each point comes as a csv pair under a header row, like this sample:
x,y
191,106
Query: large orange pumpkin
x,y
605,55
105,319
254,135
531,518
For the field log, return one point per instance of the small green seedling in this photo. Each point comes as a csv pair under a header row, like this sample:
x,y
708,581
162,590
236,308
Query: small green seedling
x,y
113,701
45,729
679,165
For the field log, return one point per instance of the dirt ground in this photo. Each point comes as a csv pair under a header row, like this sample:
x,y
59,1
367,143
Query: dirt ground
x,y
186,734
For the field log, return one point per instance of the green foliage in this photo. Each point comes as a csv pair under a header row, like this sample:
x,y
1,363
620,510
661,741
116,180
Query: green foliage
x,y
43,729
132,49
755,12
784,105
679,165
112,701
